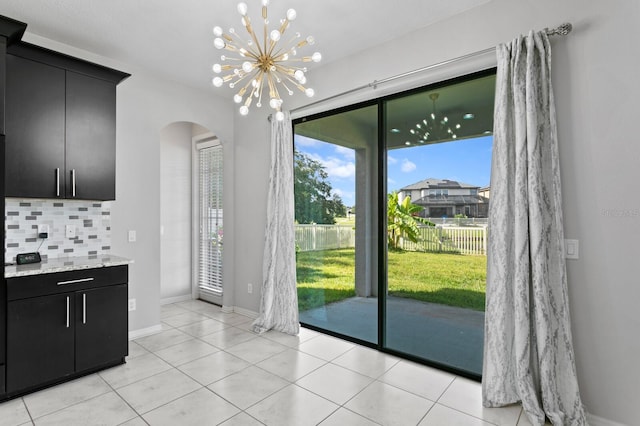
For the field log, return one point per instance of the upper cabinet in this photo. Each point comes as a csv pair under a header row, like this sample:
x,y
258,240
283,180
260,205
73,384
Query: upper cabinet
x,y
60,126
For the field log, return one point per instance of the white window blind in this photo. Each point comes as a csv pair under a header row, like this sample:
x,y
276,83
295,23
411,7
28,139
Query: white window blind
x,y
211,225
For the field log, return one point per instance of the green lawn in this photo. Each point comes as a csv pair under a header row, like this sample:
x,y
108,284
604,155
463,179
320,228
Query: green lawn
x,y
450,279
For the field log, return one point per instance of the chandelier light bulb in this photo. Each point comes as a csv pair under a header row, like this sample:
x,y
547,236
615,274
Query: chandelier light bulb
x,y
439,127
265,64
279,115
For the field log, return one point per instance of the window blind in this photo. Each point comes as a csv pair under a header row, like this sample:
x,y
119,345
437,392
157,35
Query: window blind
x,y
211,224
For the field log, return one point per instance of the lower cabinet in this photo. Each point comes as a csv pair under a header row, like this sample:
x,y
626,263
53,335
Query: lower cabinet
x,y
101,328
81,327
40,340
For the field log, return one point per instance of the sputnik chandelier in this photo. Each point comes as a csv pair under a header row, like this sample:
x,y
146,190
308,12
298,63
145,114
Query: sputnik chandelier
x,y
263,63
434,127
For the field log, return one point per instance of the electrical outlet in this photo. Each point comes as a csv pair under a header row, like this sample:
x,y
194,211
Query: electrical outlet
x,y
249,288
70,231
132,305
572,249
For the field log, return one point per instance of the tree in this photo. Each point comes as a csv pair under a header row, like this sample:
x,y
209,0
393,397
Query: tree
x,y
314,201
402,220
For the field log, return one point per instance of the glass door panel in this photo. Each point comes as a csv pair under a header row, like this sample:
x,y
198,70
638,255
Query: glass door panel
x,y
336,180
438,153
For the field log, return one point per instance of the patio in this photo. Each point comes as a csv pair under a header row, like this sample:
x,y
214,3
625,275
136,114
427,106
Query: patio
x,y
444,334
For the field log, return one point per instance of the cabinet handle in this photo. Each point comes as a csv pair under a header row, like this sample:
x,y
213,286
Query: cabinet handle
x,y
82,280
84,308
67,311
73,182
58,182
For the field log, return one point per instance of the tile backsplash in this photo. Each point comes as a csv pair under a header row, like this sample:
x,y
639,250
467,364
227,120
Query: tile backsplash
x,y
91,221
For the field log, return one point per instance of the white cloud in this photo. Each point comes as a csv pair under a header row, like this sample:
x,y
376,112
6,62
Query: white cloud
x,y
407,166
348,153
305,141
346,196
336,167
392,160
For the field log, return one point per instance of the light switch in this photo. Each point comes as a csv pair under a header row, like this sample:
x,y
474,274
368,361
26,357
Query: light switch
x,y
132,236
571,249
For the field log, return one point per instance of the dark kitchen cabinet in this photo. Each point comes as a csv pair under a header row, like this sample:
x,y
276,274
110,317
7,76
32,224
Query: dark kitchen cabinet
x,y
40,339
101,326
60,126
62,325
35,129
91,138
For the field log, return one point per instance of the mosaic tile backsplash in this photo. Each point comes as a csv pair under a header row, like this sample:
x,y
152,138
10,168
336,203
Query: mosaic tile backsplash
x,y
91,220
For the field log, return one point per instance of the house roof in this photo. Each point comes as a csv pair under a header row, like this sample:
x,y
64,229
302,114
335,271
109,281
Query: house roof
x,y
449,200
433,183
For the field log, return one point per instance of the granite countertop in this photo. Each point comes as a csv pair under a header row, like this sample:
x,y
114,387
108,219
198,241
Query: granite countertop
x,y
64,264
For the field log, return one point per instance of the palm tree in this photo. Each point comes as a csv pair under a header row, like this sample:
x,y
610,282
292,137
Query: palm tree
x,y
402,220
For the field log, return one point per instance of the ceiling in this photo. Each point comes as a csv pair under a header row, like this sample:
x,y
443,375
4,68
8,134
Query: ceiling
x,y
174,39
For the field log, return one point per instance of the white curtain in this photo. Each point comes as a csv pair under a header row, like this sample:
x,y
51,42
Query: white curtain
x,y
279,303
528,353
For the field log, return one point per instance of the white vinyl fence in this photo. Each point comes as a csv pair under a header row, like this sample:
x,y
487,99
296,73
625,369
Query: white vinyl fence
x,y
324,237
450,239
441,239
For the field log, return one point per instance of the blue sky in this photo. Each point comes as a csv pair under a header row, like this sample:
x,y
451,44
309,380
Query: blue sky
x,y
467,161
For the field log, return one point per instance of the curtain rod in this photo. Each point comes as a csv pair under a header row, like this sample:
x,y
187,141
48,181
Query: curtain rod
x,y
561,30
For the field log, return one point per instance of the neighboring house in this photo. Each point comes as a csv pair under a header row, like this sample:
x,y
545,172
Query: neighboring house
x,y
485,192
446,198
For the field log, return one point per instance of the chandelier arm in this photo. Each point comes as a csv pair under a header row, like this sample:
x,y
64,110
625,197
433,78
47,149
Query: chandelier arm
x,y
294,82
249,29
273,89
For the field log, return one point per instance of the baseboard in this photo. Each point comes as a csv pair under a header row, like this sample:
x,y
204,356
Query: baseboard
x,y
136,334
245,312
599,421
176,299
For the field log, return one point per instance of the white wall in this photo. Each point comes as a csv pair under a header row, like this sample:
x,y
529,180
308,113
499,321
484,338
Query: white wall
x,y
175,211
595,75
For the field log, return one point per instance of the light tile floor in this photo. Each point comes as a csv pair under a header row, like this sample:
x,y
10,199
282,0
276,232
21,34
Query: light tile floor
x,y
207,368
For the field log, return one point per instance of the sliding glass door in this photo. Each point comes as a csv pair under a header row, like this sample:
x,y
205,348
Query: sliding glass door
x,y
438,152
336,181
391,210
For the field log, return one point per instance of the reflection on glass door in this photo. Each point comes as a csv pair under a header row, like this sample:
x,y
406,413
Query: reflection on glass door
x,y
336,176
438,152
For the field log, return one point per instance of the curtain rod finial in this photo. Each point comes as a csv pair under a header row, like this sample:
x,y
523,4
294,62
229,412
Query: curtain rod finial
x,y
562,30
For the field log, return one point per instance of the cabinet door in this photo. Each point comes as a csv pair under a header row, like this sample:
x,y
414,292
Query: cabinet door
x,y
90,138
101,326
40,340
35,129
